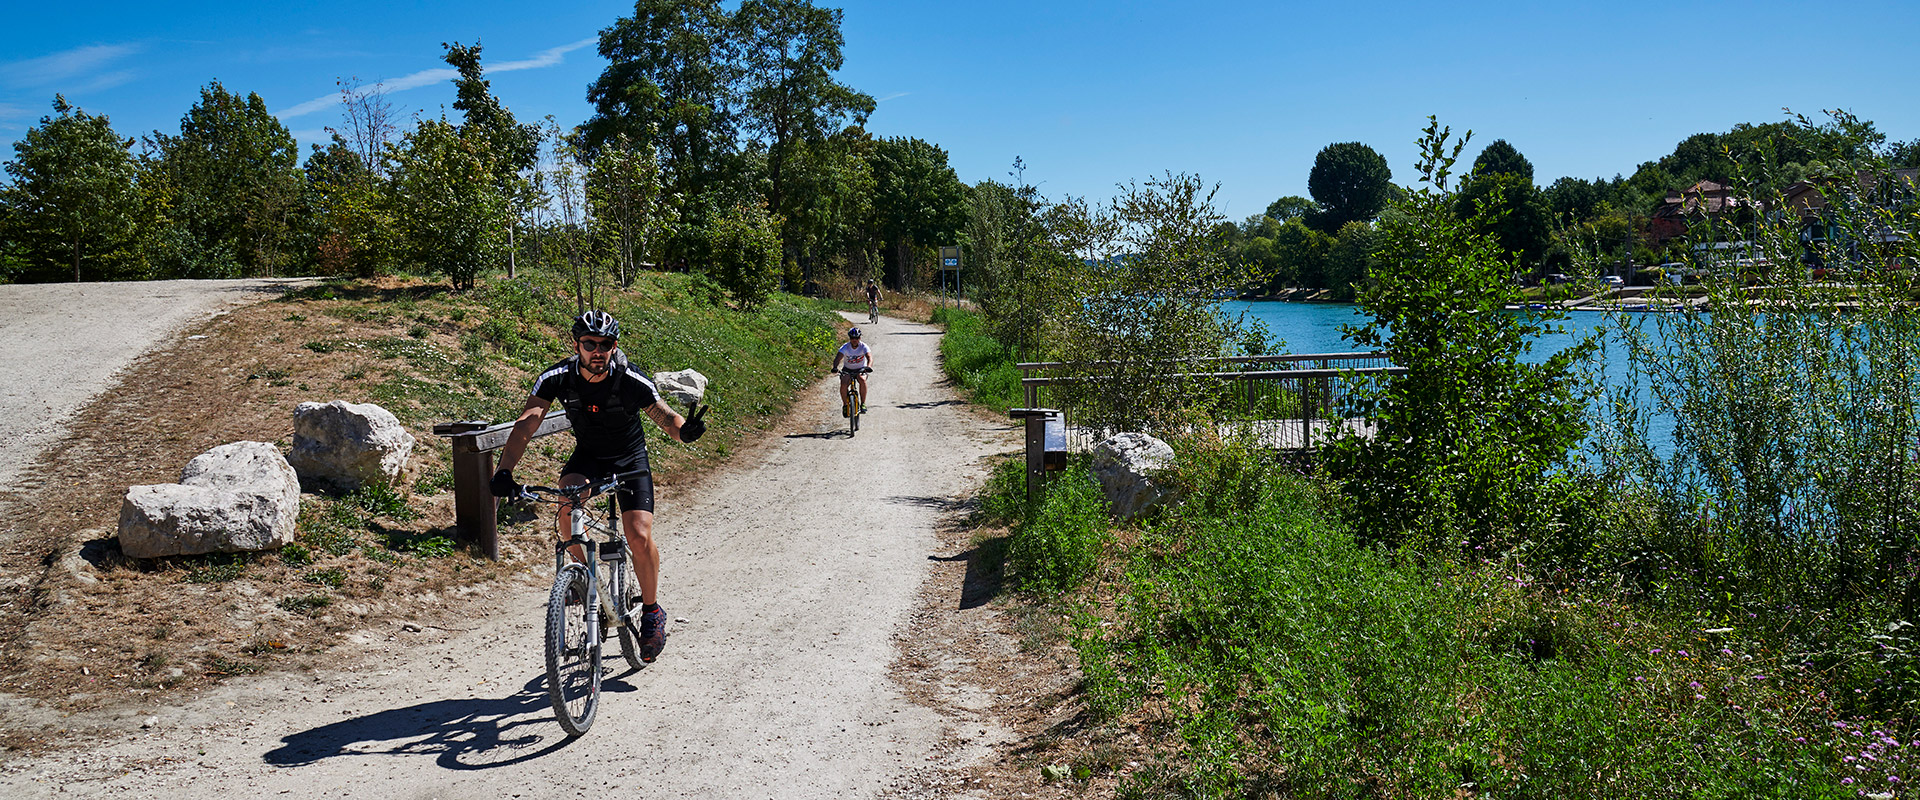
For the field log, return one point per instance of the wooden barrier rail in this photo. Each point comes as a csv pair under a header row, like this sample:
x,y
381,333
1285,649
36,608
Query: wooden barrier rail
x,y
475,509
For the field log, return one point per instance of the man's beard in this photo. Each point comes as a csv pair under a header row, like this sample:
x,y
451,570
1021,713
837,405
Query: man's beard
x,y
589,365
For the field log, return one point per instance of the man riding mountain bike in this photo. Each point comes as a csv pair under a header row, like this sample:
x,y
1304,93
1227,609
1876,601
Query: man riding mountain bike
x,y
873,300
605,397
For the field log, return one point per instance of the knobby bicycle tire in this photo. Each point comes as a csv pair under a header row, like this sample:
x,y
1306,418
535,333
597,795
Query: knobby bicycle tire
x,y
573,662
853,408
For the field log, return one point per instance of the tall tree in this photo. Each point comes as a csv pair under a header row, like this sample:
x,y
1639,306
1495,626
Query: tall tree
x,y
352,224
1500,194
789,51
1351,183
1501,158
236,171
515,145
830,216
918,200
670,85
623,196
72,198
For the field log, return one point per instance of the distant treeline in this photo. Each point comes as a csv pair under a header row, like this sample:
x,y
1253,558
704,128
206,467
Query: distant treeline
x,y
1324,242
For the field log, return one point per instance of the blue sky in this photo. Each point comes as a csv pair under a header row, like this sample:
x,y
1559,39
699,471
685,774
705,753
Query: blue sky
x,y
1090,94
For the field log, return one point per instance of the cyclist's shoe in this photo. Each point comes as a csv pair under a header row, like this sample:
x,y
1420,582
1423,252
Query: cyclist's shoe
x,y
653,633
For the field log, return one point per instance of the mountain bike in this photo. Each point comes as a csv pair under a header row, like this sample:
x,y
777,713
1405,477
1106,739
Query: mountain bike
x,y
873,313
578,613
850,405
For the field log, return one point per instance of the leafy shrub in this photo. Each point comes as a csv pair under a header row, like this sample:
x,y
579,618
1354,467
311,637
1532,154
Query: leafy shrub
x,y
1060,546
743,246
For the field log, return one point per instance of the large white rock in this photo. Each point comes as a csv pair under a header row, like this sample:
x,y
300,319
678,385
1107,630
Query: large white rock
x,y
1125,465
346,445
686,386
234,498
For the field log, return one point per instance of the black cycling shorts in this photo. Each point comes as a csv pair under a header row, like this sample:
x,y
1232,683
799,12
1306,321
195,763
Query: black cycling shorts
x,y
636,494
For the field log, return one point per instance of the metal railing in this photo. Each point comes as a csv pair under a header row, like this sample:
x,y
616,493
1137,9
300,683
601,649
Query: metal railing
x,y
1289,402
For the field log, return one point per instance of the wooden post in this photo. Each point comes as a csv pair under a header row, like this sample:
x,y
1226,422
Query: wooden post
x,y
475,508
1036,424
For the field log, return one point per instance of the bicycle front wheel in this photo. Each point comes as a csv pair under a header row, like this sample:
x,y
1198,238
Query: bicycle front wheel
x,y
573,653
624,586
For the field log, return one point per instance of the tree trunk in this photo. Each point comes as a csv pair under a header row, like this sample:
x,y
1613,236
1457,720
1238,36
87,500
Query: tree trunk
x,y
76,259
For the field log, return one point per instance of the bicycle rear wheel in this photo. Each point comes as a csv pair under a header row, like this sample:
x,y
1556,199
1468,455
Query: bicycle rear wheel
x,y
573,656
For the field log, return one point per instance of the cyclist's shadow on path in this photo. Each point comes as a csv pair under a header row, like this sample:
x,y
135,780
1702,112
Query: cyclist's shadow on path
x,y
467,734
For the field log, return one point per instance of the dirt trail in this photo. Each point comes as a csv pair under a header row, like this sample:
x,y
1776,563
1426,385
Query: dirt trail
x,y
794,576
62,343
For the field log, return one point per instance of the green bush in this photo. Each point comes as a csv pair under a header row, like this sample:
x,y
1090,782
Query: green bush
x,y
744,248
1059,547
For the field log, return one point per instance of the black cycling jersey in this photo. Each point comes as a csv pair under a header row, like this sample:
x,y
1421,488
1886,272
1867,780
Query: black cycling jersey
x,y
607,415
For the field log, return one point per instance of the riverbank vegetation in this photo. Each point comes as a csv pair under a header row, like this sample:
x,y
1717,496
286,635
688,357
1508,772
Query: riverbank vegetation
x,y
1508,591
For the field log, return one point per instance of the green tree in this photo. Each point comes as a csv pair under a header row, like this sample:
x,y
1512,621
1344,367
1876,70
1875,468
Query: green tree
x,y
623,196
1142,306
1470,444
1349,259
1501,158
1350,182
1292,206
671,84
353,227
451,214
235,171
1509,206
789,101
918,200
831,220
72,199
743,254
1299,255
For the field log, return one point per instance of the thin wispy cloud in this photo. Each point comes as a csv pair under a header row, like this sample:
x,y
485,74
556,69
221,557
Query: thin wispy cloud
x,y
894,96
546,58
79,69
427,77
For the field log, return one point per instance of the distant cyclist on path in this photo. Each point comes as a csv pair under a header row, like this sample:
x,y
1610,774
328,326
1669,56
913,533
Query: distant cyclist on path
x,y
604,397
873,298
858,358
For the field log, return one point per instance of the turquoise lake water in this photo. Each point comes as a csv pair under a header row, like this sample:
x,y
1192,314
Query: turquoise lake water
x,y
1315,328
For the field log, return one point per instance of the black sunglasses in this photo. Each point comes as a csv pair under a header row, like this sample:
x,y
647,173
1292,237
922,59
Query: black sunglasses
x,y
597,345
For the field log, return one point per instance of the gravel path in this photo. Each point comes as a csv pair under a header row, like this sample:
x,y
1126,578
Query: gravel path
x,y
62,344
793,575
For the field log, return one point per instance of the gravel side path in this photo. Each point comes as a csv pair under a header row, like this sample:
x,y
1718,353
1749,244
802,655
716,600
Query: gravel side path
x,y
62,344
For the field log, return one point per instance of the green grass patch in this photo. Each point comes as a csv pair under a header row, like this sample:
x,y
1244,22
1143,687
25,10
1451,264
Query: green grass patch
x,y
216,568
307,604
1293,661
987,369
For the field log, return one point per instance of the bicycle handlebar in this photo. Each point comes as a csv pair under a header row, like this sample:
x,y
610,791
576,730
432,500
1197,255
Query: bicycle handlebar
x,y
532,493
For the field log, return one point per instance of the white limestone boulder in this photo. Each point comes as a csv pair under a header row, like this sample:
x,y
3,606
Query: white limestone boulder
x,y
1126,465
344,445
686,386
234,498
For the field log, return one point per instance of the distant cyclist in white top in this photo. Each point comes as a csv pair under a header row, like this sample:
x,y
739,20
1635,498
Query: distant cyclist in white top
x,y
858,358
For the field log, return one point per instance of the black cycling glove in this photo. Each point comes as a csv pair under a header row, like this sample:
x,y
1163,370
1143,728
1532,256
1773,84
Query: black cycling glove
x,y
694,426
502,484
